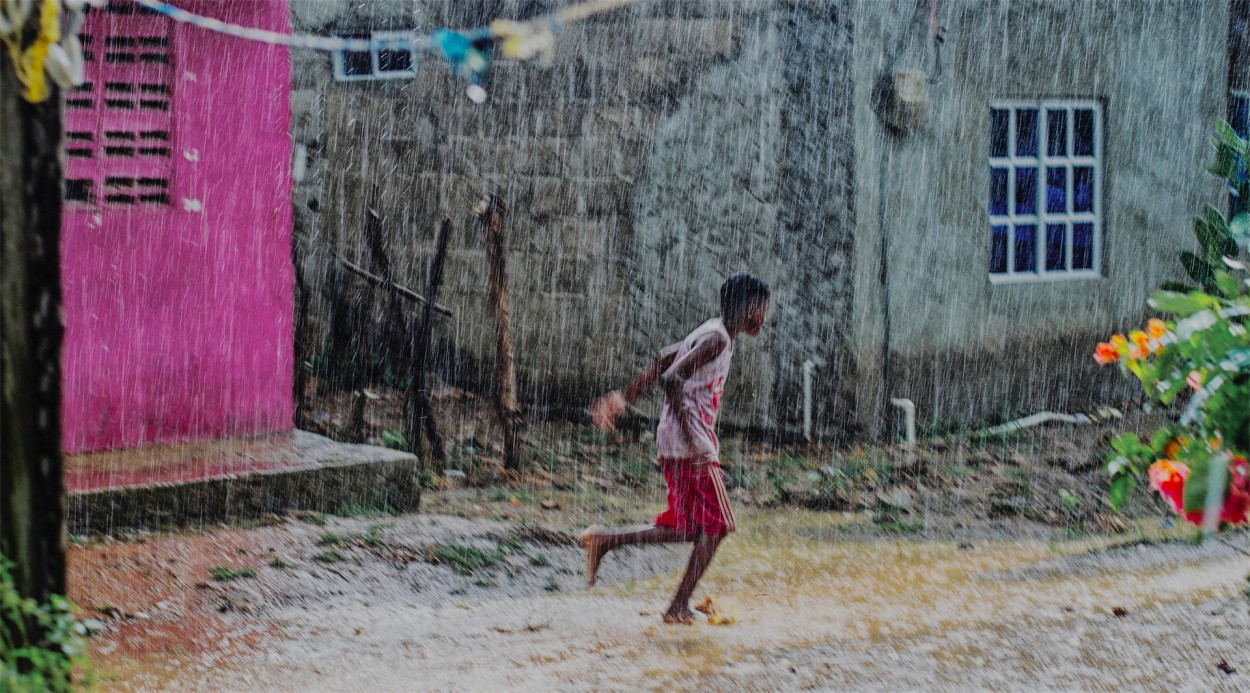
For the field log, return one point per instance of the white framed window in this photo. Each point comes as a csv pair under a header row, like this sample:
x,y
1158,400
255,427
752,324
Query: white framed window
x,y
392,57
1045,194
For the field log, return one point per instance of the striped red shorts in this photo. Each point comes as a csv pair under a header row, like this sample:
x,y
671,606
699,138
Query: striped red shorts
x,y
697,500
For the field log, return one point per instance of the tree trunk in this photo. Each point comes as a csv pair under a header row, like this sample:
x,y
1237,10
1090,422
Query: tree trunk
x,y
32,494
490,212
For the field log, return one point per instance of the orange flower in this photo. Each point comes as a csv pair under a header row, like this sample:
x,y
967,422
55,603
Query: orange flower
x,y
1118,341
1157,328
1172,447
1106,353
1168,478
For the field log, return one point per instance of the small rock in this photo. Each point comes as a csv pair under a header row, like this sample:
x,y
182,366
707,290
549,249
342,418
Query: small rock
x,y
965,546
1119,611
1223,666
897,497
550,505
453,474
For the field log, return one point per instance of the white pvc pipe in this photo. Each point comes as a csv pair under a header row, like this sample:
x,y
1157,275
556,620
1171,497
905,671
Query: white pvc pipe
x,y
909,418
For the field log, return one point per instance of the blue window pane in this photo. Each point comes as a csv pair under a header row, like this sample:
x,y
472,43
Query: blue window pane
x,y
998,191
1082,189
1056,237
1083,132
1026,190
1056,190
998,249
1057,133
1082,246
1026,248
1239,114
998,131
1026,132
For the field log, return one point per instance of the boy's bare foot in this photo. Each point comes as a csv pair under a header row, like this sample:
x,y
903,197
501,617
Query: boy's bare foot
x,y
679,615
593,544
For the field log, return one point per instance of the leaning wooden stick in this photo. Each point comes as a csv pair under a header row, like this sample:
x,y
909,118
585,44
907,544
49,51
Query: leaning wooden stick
x,y
403,291
418,394
490,211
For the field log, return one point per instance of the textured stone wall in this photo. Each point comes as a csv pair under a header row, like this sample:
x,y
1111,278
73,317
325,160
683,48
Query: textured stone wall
x,y
670,145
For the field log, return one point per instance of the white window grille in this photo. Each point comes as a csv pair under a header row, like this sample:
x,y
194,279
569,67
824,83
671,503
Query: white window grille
x,y
1045,196
393,58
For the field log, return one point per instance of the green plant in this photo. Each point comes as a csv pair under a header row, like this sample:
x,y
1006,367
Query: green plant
x,y
465,558
395,440
58,659
551,585
279,562
222,573
330,556
1200,359
539,560
329,539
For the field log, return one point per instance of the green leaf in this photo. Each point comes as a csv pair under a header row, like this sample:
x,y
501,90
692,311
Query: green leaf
x,y
1238,229
1182,304
1160,439
1227,284
1225,160
1198,269
1215,242
1228,135
1176,287
1195,492
1215,218
1120,490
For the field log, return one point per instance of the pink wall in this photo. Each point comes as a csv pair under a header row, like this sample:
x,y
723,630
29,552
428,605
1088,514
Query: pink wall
x,y
178,298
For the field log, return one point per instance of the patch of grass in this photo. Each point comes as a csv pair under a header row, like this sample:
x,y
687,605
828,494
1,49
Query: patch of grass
x,y
485,582
395,440
505,495
313,518
330,556
373,535
902,526
222,573
464,558
551,585
330,539
539,560
279,562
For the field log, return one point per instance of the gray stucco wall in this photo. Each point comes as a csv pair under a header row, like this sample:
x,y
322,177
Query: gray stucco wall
x,y
963,348
669,145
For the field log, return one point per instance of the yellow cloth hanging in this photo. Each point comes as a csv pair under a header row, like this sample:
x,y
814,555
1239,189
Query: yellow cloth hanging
x,y
28,64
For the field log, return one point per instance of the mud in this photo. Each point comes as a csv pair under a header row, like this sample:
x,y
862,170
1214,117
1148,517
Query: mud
x,y
882,614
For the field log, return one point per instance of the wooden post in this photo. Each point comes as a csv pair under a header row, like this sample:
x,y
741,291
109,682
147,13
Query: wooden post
x,y
418,394
490,211
32,492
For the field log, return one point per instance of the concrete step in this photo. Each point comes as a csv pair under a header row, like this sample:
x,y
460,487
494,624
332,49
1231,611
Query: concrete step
x,y
222,480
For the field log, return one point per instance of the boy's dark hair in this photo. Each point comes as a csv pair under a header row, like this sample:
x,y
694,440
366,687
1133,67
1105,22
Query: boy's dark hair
x,y
741,291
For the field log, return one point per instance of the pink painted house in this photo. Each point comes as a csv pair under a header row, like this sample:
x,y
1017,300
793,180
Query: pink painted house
x,y
176,239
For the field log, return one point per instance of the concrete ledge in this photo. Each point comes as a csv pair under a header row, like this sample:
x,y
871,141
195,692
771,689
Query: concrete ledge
x,y
207,482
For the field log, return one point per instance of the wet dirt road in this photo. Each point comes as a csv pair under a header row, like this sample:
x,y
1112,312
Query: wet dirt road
x,y
812,611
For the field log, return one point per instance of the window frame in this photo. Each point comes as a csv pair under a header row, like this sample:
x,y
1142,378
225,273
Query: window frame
x,y
1041,162
394,40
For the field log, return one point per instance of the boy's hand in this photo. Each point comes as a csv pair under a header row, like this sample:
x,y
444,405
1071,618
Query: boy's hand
x,y
605,410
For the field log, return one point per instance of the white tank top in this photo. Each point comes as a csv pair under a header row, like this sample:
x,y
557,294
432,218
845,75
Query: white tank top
x,y
702,392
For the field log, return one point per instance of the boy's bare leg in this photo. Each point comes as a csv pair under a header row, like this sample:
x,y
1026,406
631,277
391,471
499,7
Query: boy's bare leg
x,y
705,546
599,540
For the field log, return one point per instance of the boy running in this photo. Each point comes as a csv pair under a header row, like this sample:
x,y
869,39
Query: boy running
x,y
692,374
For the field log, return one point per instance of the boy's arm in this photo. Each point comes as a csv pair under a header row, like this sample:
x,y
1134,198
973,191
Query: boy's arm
x,y
676,375
605,410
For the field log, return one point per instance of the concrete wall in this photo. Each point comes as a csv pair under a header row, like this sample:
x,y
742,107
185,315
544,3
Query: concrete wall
x,y
655,157
966,349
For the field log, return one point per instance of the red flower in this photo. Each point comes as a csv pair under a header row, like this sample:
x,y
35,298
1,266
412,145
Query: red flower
x,y
1106,353
1168,478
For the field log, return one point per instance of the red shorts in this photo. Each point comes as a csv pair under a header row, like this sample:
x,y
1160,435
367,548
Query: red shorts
x,y
697,500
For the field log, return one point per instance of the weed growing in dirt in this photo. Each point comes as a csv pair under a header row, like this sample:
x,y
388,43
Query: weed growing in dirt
x,y
221,573
395,440
330,556
465,559
279,562
485,582
329,539
312,518
551,585
539,560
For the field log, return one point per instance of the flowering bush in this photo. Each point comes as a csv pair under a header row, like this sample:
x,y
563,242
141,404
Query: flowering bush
x,y
1199,359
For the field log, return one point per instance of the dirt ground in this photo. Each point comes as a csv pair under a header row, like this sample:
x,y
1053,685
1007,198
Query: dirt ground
x,y
972,563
